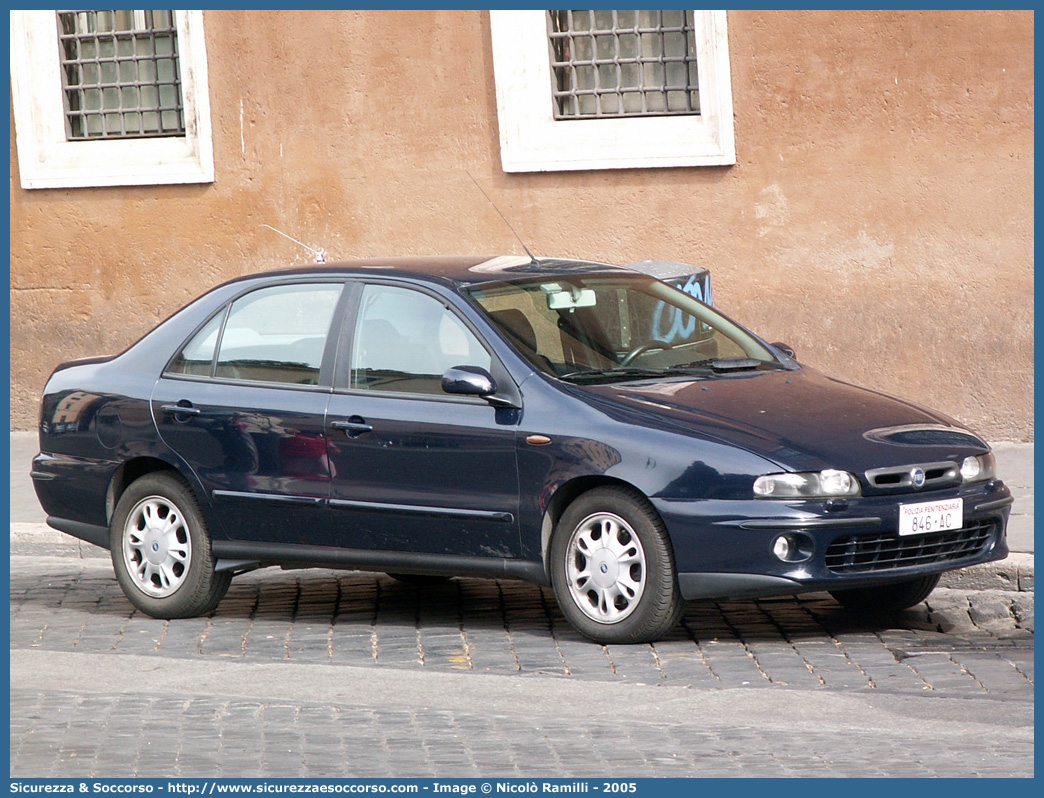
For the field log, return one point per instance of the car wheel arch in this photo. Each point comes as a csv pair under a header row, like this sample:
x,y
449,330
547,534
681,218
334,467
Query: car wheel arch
x,y
129,472
567,493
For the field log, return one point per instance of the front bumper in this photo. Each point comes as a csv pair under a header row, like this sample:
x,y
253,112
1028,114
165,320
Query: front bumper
x,y
723,549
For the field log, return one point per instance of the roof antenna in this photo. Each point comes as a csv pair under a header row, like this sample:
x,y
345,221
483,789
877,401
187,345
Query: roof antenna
x,y
512,229
320,254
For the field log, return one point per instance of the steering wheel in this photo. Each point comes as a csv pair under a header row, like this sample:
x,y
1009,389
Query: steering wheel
x,y
646,347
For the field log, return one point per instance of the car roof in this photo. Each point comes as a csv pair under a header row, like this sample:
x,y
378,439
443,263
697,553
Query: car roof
x,y
453,270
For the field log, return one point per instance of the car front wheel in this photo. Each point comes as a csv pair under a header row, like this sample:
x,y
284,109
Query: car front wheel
x,y
612,568
161,550
887,598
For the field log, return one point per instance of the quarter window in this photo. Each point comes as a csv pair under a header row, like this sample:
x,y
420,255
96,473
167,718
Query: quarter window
x,y
278,334
405,340
197,356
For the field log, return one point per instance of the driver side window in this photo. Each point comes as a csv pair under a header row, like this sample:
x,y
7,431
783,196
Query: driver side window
x,y
405,340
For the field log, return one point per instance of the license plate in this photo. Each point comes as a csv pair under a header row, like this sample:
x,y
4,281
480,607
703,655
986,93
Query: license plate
x,y
920,519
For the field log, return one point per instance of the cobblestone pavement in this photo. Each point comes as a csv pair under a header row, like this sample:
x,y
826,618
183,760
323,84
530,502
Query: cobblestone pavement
x,y
969,645
65,734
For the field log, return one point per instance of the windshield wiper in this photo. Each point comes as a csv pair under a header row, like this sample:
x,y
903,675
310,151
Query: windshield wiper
x,y
725,364
715,364
612,371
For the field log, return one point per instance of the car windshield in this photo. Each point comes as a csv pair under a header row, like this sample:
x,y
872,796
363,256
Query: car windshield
x,y
613,327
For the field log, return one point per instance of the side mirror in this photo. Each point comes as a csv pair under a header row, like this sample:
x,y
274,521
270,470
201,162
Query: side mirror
x,y
469,381
786,349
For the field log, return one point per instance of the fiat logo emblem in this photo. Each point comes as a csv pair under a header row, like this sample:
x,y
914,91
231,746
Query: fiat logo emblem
x,y
917,475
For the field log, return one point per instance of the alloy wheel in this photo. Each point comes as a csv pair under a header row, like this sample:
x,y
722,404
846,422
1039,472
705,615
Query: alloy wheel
x,y
157,547
605,568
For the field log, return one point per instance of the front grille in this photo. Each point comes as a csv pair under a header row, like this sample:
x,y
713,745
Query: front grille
x,y
886,552
936,475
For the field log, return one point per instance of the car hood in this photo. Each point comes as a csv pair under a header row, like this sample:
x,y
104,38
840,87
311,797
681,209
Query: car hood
x,y
799,419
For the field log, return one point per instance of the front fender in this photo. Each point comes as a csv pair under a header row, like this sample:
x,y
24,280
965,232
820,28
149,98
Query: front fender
x,y
591,444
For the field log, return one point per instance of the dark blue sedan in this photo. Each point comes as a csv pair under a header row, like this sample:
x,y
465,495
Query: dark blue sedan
x,y
562,422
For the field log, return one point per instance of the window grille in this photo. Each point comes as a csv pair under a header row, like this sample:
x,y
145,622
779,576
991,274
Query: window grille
x,y
120,74
623,63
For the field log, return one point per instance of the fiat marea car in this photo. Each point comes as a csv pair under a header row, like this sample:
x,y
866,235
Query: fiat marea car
x,y
568,423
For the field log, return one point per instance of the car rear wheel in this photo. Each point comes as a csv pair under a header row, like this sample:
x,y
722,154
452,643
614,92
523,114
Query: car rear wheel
x,y
612,568
887,598
161,550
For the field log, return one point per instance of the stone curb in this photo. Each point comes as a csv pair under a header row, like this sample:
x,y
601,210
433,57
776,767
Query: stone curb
x,y
1013,574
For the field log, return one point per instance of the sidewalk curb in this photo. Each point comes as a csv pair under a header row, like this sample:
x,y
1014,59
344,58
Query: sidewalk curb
x,y
1013,574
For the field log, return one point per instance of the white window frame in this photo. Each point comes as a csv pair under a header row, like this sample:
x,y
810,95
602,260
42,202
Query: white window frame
x,y
46,159
532,140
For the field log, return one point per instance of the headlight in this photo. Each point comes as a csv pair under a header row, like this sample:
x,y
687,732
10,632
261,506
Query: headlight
x,y
980,468
806,485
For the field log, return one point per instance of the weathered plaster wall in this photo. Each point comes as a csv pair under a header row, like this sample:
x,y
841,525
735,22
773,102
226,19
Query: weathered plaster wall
x,y
879,218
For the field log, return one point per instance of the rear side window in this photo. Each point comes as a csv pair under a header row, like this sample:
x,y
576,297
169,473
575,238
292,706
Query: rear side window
x,y
278,334
275,334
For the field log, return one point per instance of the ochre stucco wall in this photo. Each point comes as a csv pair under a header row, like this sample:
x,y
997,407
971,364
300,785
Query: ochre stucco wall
x,y
879,217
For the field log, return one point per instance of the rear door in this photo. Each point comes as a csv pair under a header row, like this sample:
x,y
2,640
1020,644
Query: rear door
x,y
244,405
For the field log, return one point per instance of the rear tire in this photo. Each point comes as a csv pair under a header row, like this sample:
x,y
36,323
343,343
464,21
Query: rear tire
x,y
887,598
161,550
612,568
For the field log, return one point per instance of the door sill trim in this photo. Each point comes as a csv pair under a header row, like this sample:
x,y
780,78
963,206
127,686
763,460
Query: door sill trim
x,y
298,555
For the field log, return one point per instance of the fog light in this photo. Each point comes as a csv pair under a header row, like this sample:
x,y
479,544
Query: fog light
x,y
793,547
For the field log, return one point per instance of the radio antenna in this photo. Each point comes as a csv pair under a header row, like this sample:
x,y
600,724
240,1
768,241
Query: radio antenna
x,y
491,202
320,254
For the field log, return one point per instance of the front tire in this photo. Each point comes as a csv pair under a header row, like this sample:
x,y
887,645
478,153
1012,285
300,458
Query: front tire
x,y
887,598
612,568
161,550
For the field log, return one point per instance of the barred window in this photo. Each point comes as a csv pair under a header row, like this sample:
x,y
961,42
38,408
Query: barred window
x,y
612,89
110,98
623,63
120,74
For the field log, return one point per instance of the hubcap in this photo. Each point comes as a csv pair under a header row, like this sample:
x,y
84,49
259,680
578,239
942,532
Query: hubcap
x,y
605,568
157,548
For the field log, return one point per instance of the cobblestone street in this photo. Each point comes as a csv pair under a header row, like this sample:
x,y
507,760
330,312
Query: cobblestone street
x,y
549,694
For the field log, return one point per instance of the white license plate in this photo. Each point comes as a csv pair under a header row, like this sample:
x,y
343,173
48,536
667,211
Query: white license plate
x,y
919,519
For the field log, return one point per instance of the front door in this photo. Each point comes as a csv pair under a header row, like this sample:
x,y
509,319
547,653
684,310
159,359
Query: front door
x,y
415,469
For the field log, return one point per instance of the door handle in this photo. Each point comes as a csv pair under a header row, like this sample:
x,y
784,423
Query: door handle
x,y
353,427
180,410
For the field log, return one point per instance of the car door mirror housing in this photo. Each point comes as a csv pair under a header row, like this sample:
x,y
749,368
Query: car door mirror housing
x,y
469,381
786,349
